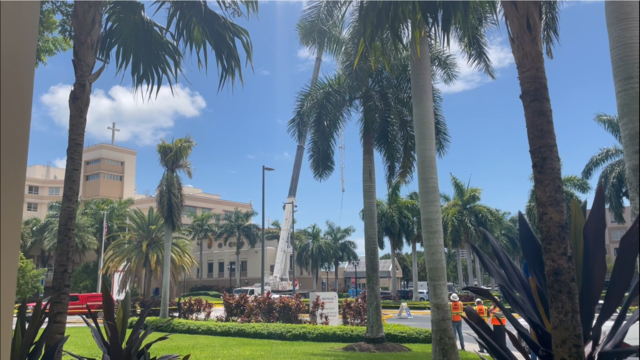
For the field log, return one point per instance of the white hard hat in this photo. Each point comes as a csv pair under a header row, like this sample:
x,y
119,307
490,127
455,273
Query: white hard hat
x,y
454,297
478,301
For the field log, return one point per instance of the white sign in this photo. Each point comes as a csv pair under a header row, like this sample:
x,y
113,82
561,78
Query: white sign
x,y
330,300
404,308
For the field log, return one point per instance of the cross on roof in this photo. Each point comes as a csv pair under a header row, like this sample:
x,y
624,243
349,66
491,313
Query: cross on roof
x,y
113,133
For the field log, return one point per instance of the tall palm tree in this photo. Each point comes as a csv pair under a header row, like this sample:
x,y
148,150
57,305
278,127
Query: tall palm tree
x,y
572,185
174,158
117,212
611,161
202,229
532,26
622,27
462,217
395,223
314,251
85,239
29,238
342,249
139,252
153,54
238,225
424,21
381,97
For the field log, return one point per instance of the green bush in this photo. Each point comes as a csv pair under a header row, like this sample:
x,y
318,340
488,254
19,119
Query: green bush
x,y
343,295
288,332
214,294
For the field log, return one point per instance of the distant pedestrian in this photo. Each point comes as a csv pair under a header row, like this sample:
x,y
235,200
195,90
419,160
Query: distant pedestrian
x,y
499,321
456,318
483,312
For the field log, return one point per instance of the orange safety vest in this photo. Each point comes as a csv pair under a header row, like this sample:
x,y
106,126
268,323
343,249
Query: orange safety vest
x,y
456,311
482,311
497,318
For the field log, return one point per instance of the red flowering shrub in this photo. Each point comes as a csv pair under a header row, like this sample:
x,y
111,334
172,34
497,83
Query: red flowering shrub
x,y
193,308
316,316
354,312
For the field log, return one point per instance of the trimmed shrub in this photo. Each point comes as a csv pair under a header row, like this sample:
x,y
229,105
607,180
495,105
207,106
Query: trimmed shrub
x,y
192,309
245,309
288,332
213,294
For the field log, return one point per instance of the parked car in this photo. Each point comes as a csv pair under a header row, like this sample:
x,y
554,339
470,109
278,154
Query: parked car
x,y
405,294
423,295
78,303
386,295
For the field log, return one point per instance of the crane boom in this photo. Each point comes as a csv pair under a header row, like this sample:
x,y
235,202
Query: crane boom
x,y
279,280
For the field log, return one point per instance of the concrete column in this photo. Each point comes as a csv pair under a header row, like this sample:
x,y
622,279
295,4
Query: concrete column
x,y
19,37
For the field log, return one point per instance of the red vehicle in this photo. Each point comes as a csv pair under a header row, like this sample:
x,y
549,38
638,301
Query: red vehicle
x,y
78,303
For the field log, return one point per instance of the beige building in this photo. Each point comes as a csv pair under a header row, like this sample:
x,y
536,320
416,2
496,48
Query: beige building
x,y
615,232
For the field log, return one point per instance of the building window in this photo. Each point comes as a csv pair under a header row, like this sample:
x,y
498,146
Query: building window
x,y
91,162
92,177
616,235
113,162
615,252
230,213
35,190
221,267
187,210
54,191
210,267
206,211
113,177
243,266
32,207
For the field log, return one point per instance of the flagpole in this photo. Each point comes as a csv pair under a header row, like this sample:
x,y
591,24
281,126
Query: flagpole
x,y
104,232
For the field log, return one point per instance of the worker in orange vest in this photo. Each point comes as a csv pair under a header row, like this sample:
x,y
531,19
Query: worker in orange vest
x,y
499,321
483,312
456,318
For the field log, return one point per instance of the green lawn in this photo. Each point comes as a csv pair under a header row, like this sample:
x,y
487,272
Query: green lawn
x,y
212,347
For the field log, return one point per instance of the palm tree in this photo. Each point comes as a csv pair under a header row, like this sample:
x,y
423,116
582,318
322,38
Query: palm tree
x,y
622,27
117,212
532,26
85,239
238,225
202,229
572,185
395,223
174,158
462,218
313,251
613,175
154,53
424,21
342,249
29,238
139,252
382,98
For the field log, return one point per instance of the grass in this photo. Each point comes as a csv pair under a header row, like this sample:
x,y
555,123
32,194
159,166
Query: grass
x,y
206,298
212,347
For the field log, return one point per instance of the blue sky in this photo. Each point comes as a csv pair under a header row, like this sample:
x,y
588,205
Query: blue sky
x,y
239,131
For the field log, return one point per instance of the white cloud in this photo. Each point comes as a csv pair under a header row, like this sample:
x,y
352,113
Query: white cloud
x,y
286,154
470,78
264,72
360,243
60,163
140,121
249,156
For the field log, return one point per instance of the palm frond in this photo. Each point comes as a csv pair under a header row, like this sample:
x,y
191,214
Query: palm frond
x,y
601,159
321,25
610,124
550,25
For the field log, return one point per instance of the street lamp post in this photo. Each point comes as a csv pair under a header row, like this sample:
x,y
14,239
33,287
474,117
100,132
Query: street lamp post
x,y
264,168
229,269
101,263
355,267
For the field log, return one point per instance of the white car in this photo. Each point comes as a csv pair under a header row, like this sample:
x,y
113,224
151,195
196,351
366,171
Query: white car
x,y
423,295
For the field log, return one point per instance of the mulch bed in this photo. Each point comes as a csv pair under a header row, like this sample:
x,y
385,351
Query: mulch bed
x,y
376,348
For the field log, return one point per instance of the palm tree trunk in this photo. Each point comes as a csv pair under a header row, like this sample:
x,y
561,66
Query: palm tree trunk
x,y
87,23
622,26
460,276
314,278
478,272
147,282
394,275
414,269
444,346
238,269
335,270
201,266
375,331
467,248
166,273
525,29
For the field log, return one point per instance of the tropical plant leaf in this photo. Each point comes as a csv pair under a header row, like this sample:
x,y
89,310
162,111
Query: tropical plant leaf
x,y
122,316
577,239
532,252
50,353
488,337
616,341
633,294
516,344
594,266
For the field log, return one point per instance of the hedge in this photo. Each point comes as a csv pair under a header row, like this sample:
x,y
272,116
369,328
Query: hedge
x,y
194,294
288,332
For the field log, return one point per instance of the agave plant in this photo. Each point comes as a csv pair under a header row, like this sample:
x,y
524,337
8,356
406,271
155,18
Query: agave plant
x,y
23,344
112,343
525,289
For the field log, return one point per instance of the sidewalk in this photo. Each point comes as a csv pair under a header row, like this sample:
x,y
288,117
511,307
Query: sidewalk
x,y
474,348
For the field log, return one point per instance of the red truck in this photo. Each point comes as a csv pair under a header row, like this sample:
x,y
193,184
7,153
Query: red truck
x,y
78,303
